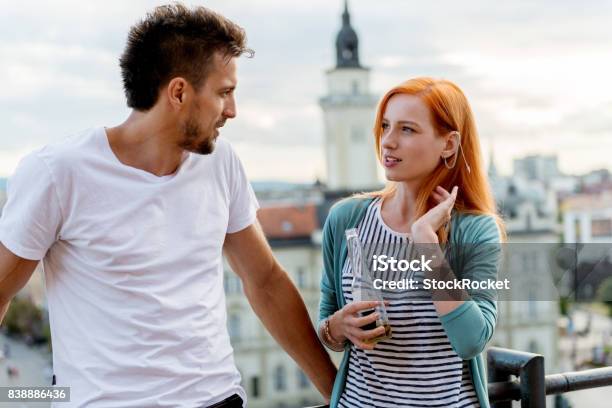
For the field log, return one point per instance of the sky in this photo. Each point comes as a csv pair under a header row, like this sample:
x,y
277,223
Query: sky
x,y
536,73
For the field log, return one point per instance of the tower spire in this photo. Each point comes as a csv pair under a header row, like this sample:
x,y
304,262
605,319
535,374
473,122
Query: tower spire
x,y
347,43
346,18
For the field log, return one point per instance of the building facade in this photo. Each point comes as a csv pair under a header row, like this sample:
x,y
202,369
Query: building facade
x,y
529,313
587,218
270,377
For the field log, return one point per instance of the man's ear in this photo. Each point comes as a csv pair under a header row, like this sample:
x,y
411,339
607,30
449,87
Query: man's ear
x,y
451,146
177,92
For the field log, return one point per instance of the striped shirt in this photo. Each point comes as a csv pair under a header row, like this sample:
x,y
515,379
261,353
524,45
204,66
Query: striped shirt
x,y
417,367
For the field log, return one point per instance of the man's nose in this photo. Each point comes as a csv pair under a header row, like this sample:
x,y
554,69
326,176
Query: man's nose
x,y
229,111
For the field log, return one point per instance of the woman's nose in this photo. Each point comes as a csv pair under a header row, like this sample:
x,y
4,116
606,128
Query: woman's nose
x,y
389,141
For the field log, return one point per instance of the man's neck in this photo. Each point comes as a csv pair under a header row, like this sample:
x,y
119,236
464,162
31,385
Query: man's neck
x,y
145,143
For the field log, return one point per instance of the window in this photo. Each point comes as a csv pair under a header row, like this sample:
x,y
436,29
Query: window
x,y
601,228
238,284
301,278
534,347
232,283
234,326
255,387
532,305
280,378
528,223
303,381
577,229
287,226
355,88
226,283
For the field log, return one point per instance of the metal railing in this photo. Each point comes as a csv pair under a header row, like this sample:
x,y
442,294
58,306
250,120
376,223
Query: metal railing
x,y
519,376
531,386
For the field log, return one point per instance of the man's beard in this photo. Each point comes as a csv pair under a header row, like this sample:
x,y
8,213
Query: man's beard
x,y
192,133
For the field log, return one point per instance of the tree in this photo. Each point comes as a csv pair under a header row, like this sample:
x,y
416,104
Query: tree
x,y
25,319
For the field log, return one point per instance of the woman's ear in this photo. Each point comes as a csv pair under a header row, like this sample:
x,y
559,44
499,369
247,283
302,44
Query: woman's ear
x,y
451,147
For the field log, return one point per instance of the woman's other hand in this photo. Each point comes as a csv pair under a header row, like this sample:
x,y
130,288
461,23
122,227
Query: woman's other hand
x,y
347,323
424,229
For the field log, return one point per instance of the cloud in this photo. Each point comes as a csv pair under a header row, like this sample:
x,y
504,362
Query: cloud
x,y
298,163
536,73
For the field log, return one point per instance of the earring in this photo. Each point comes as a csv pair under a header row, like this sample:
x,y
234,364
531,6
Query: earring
x,y
459,150
467,166
450,166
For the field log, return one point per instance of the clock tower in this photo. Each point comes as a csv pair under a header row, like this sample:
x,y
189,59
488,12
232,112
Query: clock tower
x,y
349,110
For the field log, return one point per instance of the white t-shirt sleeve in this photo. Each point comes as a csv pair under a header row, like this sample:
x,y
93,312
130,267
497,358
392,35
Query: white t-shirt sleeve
x,y
243,204
32,217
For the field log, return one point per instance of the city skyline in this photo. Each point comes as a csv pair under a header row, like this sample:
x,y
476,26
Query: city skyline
x,y
534,73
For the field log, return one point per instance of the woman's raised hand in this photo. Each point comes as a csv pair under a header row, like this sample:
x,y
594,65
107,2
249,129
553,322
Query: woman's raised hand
x,y
424,229
346,324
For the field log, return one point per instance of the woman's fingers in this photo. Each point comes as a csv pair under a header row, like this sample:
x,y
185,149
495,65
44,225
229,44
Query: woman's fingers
x,y
373,333
441,213
450,199
362,321
445,200
442,191
353,319
360,344
360,337
440,194
356,307
363,335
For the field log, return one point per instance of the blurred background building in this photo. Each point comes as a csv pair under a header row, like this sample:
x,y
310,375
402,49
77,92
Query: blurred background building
x,y
538,203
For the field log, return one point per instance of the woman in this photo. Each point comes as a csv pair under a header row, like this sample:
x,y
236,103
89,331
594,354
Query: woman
x,y
437,193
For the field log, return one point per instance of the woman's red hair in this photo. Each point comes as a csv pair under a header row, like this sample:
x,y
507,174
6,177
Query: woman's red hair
x,y
450,111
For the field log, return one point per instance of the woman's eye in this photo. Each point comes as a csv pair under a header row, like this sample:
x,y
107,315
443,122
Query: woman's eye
x,y
406,129
385,126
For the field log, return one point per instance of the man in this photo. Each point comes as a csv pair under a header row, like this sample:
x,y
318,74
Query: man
x,y
131,222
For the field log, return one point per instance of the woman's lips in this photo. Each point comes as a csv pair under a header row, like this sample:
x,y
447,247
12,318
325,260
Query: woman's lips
x,y
391,161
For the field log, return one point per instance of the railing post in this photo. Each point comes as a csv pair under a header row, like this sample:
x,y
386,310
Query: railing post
x,y
533,383
529,367
496,374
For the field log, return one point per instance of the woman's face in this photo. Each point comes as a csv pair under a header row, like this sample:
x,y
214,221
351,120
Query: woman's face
x,y
411,148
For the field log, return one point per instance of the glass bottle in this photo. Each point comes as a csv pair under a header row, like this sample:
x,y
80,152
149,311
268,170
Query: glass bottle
x,y
362,287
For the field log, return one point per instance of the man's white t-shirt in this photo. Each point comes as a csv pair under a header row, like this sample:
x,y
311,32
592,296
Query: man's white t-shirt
x,y
133,270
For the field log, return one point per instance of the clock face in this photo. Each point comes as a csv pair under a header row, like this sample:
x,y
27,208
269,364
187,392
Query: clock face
x,y
347,54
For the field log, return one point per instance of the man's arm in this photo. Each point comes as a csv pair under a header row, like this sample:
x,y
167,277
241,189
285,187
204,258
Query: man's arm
x,y
14,274
278,304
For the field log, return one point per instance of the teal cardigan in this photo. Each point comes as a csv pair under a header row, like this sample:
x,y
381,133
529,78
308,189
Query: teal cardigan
x,y
469,327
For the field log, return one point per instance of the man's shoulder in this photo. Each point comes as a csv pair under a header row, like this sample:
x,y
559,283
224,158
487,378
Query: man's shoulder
x,y
71,148
223,145
61,154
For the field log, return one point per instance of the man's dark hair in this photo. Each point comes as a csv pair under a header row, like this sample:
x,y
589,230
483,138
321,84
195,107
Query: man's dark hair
x,y
173,41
